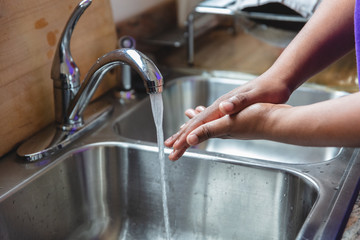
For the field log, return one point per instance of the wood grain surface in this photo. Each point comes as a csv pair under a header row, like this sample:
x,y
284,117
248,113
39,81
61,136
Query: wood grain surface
x,y
29,34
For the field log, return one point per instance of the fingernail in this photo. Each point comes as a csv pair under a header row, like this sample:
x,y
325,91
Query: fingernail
x,y
227,105
190,112
171,138
175,145
200,108
192,139
172,156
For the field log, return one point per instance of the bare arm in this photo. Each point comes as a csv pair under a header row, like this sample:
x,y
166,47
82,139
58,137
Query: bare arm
x,y
327,36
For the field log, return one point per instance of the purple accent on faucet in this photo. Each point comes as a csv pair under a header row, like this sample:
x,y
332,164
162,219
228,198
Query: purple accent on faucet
x,y
70,66
158,76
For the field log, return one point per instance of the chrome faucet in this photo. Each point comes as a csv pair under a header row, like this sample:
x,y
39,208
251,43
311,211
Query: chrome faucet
x,y
71,98
139,62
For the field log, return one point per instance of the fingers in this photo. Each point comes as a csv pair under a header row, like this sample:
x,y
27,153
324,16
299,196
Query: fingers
x,y
206,120
179,148
216,128
171,140
176,154
200,108
190,113
198,116
234,104
178,140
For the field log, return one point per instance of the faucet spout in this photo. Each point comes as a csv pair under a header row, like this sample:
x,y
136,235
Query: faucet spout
x,y
150,74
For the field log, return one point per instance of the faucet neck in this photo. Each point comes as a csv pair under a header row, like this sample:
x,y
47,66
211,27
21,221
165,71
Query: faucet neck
x,y
147,70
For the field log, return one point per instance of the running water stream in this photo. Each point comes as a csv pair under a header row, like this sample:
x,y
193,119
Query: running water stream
x,y
157,110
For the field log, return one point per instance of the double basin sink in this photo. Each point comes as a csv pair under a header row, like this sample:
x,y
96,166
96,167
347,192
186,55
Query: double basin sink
x,y
107,185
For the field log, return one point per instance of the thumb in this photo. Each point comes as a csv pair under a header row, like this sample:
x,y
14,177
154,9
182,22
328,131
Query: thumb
x,y
216,128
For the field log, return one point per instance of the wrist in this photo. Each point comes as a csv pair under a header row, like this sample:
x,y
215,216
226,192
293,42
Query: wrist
x,y
275,122
274,88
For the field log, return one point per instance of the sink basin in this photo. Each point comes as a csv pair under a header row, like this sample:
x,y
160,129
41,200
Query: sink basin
x,y
189,92
108,190
107,184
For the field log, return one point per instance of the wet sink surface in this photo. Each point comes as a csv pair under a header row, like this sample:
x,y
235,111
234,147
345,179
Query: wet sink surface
x,y
189,92
112,191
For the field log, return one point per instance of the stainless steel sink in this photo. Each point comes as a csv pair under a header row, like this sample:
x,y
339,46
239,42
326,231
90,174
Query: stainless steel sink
x,y
107,186
113,189
189,92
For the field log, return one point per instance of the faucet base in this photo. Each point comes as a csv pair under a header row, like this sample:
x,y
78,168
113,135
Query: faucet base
x,y
52,138
71,125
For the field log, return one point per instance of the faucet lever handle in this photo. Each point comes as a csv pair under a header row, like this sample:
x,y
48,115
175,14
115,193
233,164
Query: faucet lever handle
x,y
64,67
64,72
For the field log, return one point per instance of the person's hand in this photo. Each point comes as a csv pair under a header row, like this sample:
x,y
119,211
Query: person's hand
x,y
250,123
258,90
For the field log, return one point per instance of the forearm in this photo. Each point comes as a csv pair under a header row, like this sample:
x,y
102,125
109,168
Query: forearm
x,y
330,123
326,37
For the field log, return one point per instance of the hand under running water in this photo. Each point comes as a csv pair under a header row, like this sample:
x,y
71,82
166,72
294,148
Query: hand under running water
x,y
255,109
233,102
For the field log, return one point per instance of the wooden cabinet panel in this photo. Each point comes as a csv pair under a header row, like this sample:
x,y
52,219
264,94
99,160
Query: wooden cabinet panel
x,y
28,37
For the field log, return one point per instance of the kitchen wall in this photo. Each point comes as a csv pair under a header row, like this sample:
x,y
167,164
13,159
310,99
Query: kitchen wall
x,y
124,9
144,22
